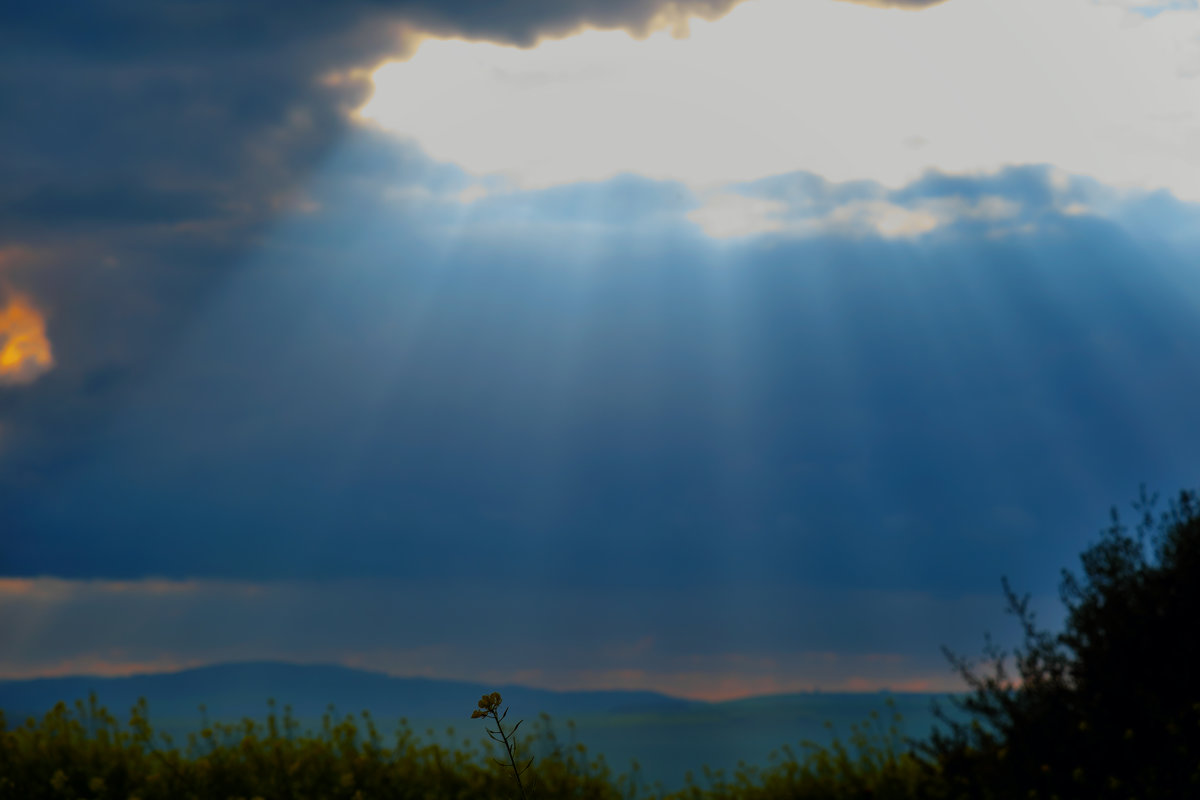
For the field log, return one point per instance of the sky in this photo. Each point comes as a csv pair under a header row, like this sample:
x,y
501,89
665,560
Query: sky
x,y
715,347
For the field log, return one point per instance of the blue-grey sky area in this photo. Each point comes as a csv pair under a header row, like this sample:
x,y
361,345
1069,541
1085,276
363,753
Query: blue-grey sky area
x,y
278,380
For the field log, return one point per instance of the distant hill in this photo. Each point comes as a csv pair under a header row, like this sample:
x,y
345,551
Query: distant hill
x,y
233,691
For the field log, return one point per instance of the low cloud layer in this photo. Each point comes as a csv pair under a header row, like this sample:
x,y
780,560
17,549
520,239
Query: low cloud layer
x,y
1011,202
721,646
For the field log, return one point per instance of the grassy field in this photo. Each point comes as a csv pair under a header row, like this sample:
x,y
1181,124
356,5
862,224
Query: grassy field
x,y
668,737
84,751
670,744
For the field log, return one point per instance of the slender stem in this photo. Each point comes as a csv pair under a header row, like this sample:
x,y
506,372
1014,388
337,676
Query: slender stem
x,y
511,757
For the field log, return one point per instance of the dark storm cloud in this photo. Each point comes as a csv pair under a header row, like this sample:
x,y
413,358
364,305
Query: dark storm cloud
x,y
219,101
147,145
104,204
143,100
523,22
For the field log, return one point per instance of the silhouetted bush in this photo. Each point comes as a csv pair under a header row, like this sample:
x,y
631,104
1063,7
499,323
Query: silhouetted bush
x,y
1110,707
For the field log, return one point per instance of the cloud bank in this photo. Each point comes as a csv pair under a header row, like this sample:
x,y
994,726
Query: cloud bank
x,y
1011,202
713,647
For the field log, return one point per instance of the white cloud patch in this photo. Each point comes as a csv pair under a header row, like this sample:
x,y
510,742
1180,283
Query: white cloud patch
x,y
838,89
729,214
726,215
892,220
885,219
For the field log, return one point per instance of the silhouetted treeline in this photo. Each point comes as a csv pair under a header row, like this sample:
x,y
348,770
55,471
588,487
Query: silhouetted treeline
x,y
1110,706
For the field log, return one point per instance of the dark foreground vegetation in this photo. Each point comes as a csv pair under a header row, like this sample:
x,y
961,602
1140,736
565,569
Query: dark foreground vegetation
x,y
1107,708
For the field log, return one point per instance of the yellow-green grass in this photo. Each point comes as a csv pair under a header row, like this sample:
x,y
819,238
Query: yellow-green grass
x,y
85,752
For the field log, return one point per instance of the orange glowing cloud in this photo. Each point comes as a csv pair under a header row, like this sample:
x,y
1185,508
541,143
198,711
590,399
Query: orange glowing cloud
x,y
25,353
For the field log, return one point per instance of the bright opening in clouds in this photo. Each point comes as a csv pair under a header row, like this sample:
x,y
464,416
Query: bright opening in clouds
x,y
840,89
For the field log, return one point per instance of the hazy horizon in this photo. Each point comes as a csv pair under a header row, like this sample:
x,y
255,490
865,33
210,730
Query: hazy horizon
x,y
69,676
